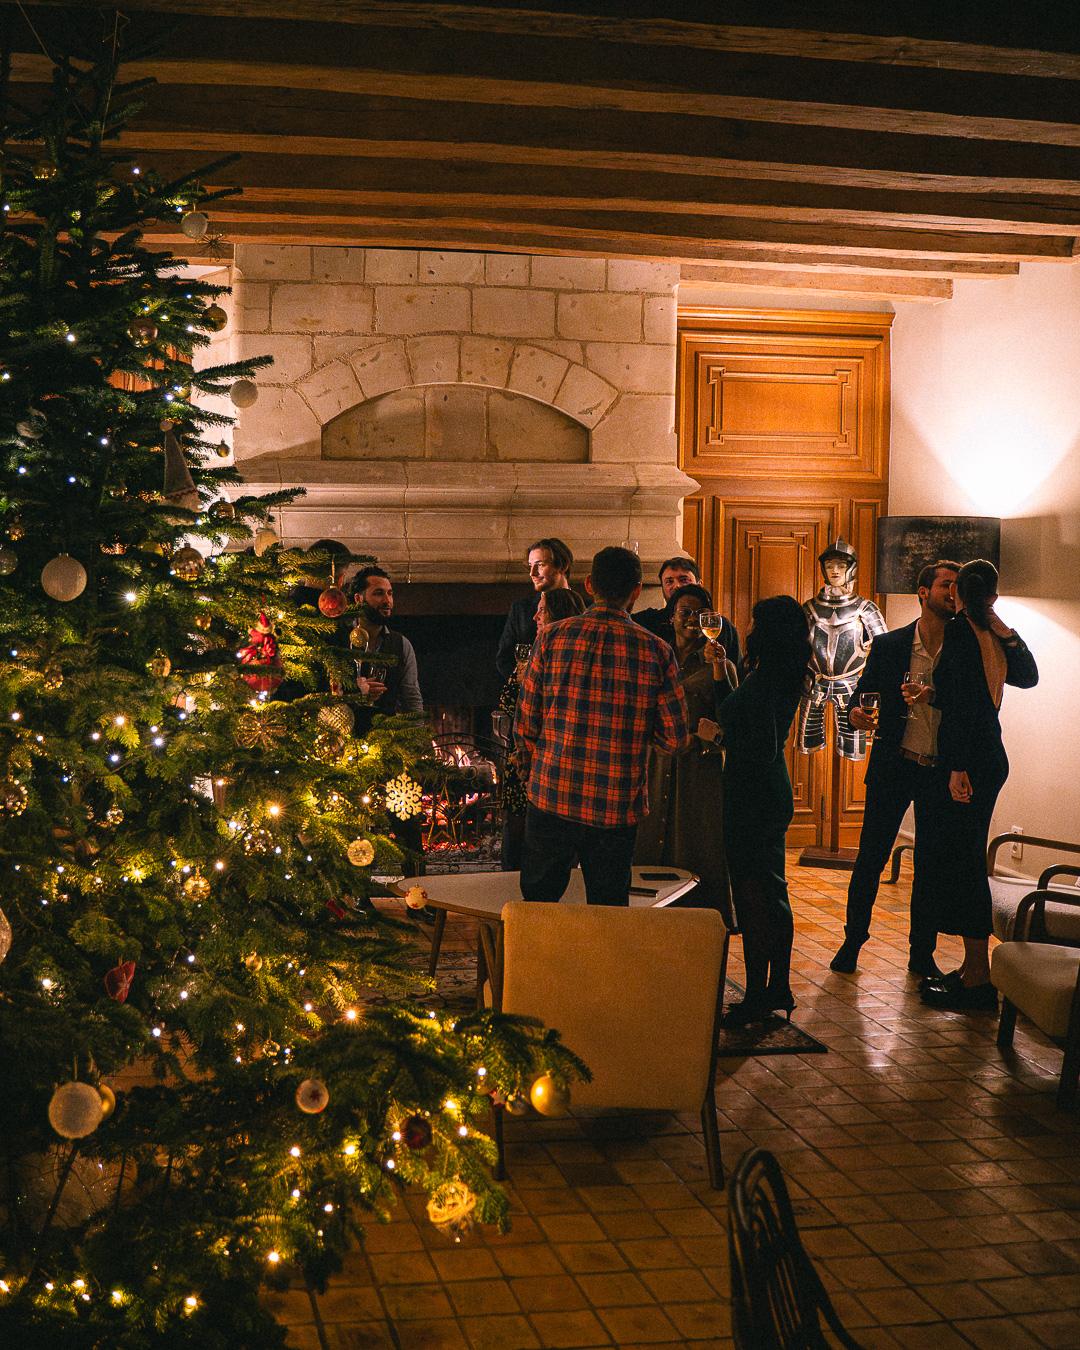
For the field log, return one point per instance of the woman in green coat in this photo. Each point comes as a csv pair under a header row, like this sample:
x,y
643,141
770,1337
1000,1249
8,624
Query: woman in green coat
x,y
683,827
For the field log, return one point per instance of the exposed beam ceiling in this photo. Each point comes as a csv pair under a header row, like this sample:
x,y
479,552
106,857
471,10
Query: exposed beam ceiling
x,y
834,154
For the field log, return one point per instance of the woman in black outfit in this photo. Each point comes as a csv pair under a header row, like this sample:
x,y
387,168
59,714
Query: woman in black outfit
x,y
754,721
979,656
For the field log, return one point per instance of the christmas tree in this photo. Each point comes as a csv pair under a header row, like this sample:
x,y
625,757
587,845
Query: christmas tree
x,y
213,1061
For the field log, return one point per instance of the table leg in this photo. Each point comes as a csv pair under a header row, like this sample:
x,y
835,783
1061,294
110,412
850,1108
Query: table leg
x,y
481,965
490,949
436,940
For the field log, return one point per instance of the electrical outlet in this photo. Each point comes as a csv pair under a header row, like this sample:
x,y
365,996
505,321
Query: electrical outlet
x,y
1017,849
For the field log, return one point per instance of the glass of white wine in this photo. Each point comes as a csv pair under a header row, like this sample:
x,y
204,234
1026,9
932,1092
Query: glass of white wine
x,y
871,705
710,623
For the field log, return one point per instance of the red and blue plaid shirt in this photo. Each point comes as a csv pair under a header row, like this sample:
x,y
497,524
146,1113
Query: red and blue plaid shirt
x,y
598,692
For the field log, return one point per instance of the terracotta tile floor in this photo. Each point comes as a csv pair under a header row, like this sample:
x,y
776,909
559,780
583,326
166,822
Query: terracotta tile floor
x,y
936,1185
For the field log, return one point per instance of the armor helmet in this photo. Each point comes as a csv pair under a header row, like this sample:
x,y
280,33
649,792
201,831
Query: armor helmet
x,y
840,549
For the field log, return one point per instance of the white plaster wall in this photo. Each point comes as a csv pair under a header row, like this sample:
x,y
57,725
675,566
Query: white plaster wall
x,y
986,421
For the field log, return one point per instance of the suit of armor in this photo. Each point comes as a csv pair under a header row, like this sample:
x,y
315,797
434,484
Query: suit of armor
x,y
842,626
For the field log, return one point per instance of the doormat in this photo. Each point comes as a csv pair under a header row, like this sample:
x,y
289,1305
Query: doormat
x,y
777,1036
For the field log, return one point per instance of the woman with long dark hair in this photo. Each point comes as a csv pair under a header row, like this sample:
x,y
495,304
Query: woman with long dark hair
x,y
755,720
979,656
686,789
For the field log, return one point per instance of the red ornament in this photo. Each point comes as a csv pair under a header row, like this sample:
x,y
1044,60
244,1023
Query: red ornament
x,y
118,980
262,652
333,602
337,910
416,1132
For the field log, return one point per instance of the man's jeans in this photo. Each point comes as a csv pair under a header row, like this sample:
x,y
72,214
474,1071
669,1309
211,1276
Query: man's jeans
x,y
552,846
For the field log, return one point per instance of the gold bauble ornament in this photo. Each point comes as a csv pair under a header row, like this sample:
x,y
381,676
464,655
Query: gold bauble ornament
x,y
517,1105
108,1100
9,560
258,841
416,897
329,744
361,853
215,319
254,962
44,170
549,1097
222,450
75,1110
159,665
182,390
450,1208
16,530
223,511
259,729
13,798
194,224
52,677
155,546
188,563
312,1096
142,331
203,621
5,935
114,816
64,578
338,717
244,393
197,888
116,549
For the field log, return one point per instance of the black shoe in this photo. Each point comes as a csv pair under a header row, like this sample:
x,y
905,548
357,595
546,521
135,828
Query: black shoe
x,y
780,1001
846,960
965,998
924,966
751,1009
952,979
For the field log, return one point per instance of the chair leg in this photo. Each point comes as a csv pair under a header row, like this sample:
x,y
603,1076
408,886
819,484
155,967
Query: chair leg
x,y
1007,1024
500,1160
710,1130
436,940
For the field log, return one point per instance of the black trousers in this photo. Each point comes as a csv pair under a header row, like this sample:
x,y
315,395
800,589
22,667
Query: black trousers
x,y
897,783
552,846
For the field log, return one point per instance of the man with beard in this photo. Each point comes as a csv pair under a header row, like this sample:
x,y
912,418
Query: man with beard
x,y
392,687
900,669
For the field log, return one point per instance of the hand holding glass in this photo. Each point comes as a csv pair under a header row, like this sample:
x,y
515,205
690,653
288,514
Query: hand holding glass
x,y
870,705
710,623
914,682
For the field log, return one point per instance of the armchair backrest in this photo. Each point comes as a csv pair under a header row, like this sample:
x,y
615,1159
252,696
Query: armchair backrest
x,y
634,992
1048,916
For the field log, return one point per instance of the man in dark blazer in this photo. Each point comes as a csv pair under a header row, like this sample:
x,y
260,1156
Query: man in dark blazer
x,y
902,760
674,574
549,562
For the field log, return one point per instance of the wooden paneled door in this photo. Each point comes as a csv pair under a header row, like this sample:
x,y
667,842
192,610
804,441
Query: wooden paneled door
x,y
784,421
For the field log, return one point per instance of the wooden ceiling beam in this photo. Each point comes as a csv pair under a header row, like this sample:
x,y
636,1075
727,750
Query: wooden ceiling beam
x,y
932,289
838,263
684,234
539,68
659,30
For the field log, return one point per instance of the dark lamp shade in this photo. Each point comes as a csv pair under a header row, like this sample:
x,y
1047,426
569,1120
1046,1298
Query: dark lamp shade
x,y
905,544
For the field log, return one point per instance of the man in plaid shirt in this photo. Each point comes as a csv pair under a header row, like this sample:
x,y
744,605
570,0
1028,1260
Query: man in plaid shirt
x,y
598,692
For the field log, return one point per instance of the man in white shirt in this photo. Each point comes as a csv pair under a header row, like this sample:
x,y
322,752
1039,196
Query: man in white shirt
x,y
900,669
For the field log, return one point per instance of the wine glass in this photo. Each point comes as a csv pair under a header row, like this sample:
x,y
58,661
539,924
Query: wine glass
x,y
918,678
710,623
871,705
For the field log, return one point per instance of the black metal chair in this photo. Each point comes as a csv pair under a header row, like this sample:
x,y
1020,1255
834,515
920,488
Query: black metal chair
x,y
778,1301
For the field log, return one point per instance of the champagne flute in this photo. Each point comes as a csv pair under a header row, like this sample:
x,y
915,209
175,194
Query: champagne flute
x,y
871,706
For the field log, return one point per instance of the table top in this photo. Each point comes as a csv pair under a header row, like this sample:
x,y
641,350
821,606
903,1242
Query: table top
x,y
483,894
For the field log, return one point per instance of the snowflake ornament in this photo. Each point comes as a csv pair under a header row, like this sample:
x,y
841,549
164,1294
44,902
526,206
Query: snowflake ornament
x,y
403,797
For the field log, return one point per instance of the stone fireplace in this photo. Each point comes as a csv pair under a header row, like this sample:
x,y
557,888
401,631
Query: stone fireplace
x,y
442,410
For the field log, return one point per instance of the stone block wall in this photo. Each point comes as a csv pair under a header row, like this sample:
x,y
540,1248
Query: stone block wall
x,y
591,339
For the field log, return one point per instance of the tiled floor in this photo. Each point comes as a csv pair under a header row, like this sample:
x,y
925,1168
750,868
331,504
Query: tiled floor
x,y
936,1185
